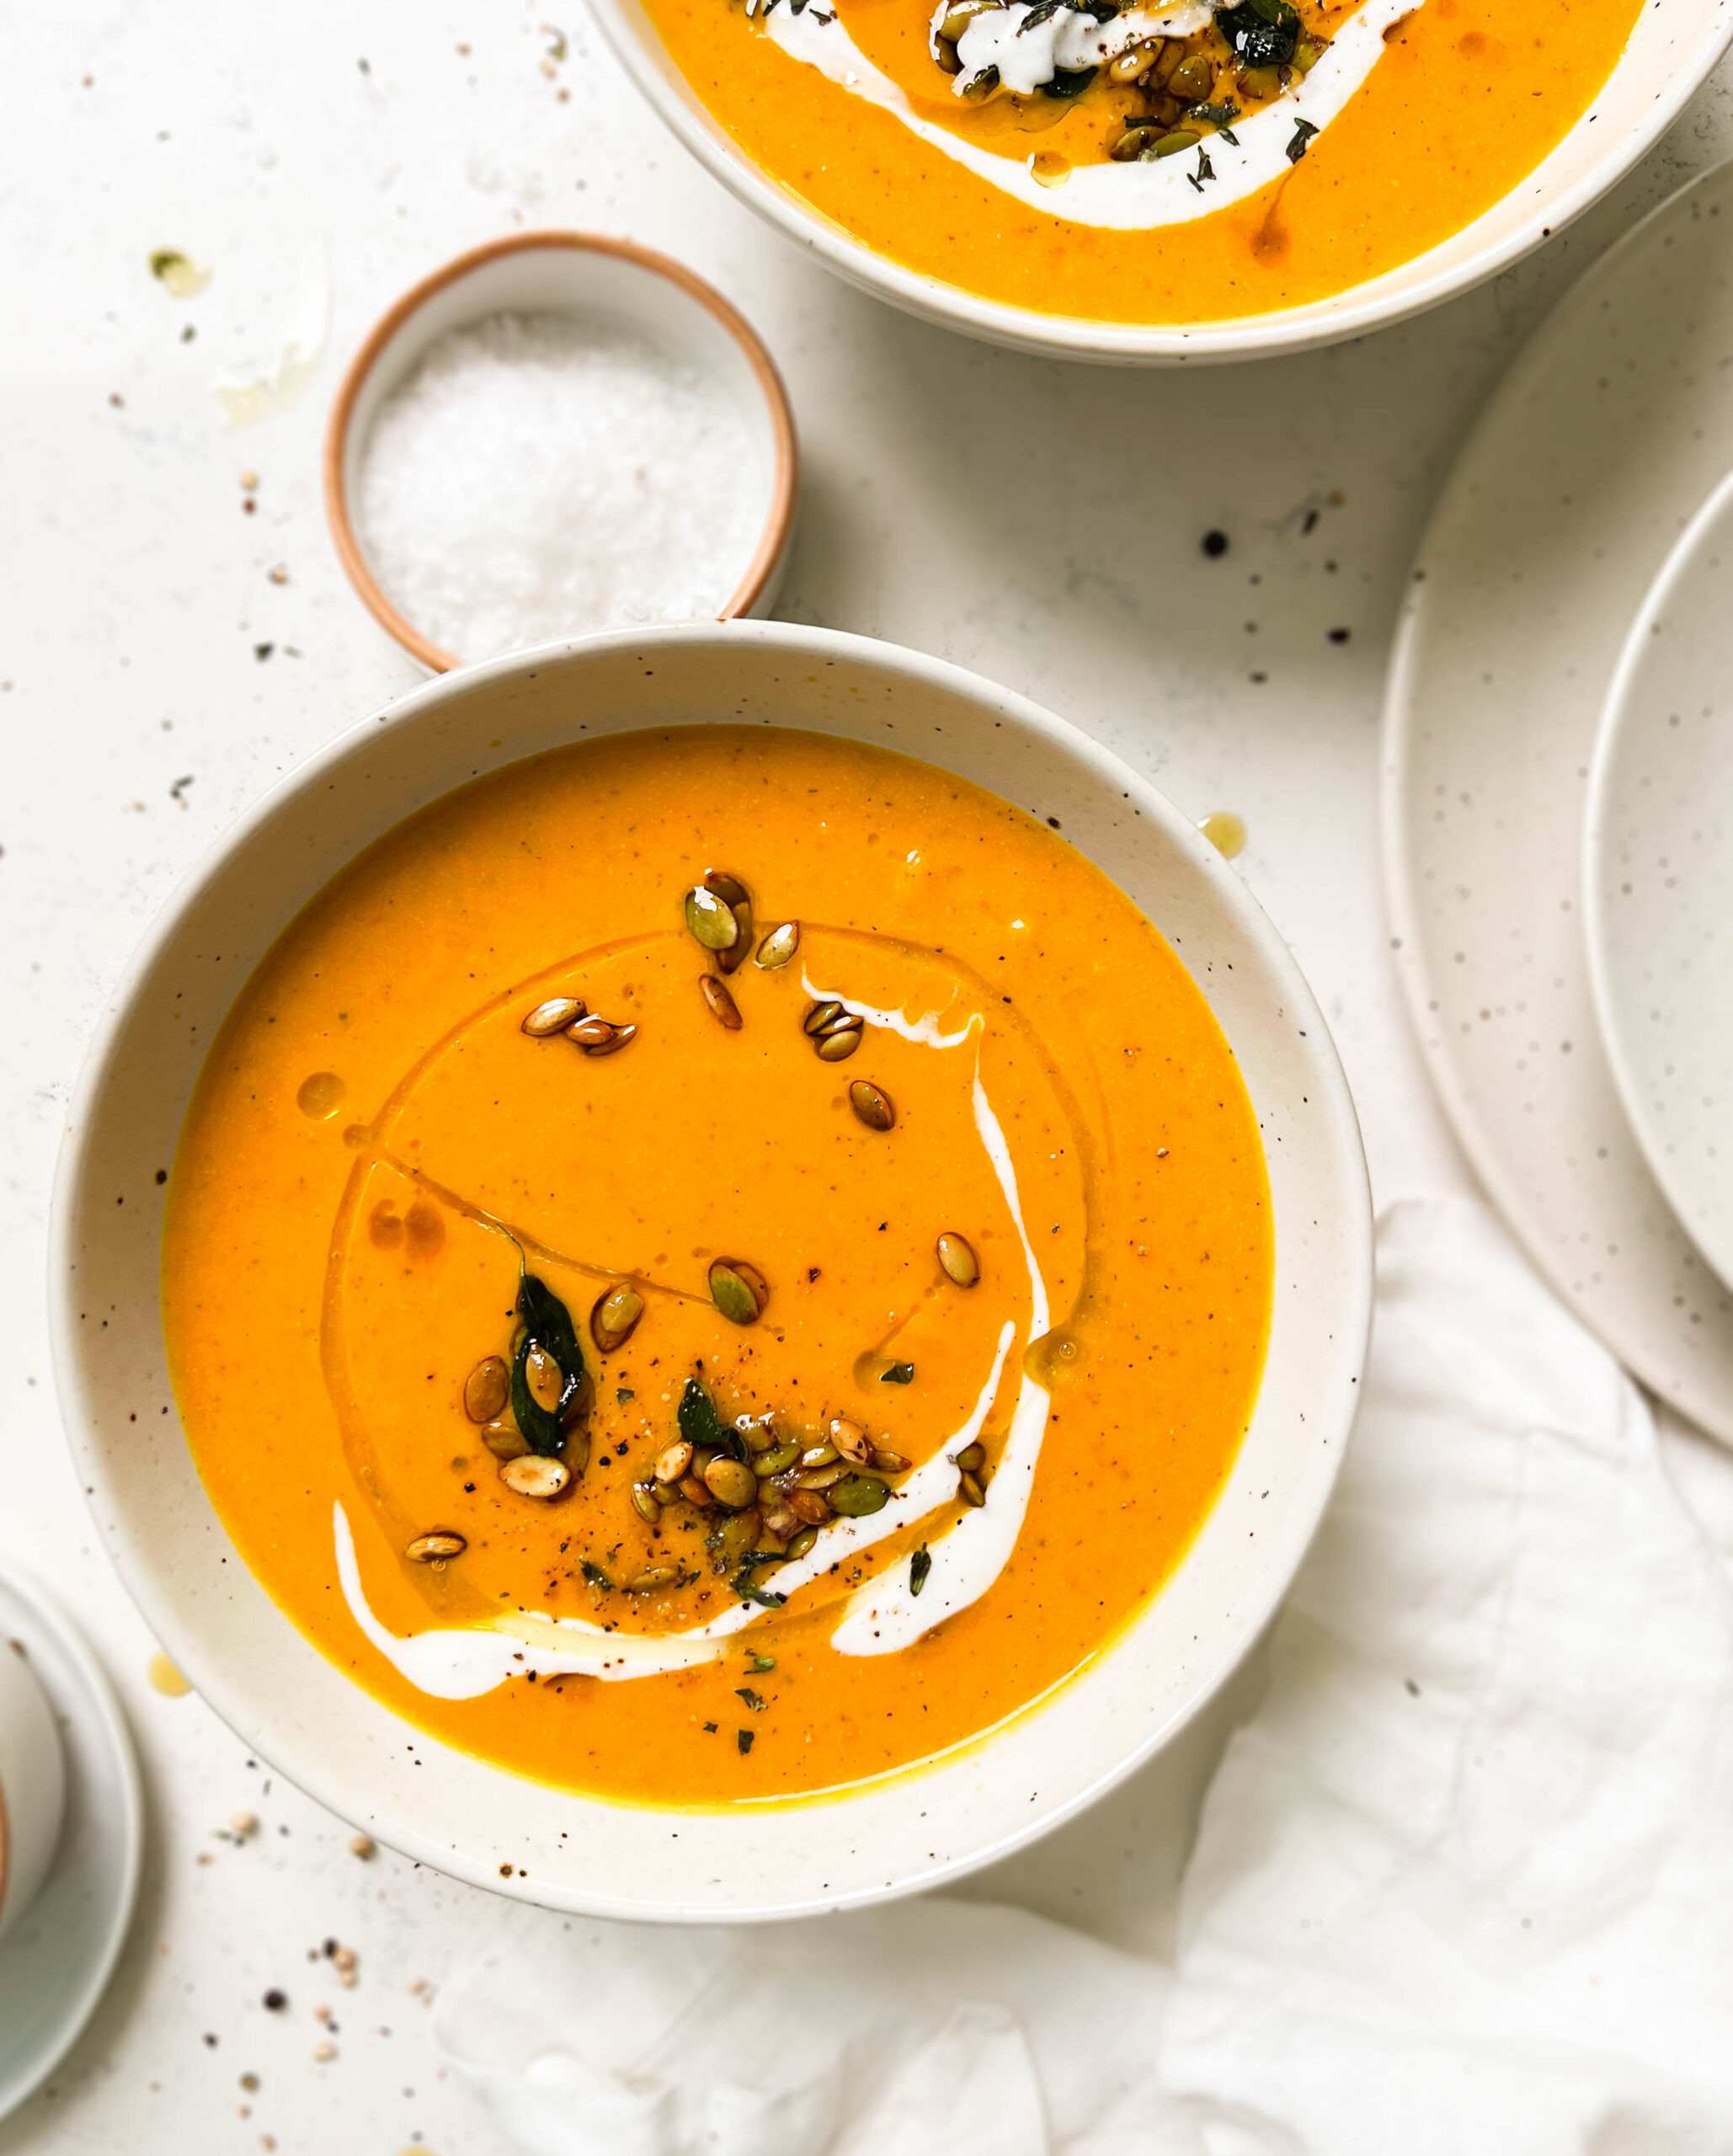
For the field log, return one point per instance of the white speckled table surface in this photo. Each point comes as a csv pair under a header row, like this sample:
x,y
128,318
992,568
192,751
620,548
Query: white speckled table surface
x,y
1040,523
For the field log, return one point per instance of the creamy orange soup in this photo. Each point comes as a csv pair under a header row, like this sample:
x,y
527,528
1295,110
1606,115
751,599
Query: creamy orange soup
x,y
1144,162
717,1265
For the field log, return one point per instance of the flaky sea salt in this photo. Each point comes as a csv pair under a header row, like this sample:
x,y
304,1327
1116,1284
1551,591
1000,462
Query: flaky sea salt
x,y
544,475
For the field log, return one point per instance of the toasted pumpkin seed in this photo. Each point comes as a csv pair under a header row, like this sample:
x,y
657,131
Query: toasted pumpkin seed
x,y
552,1017
576,1453
958,18
719,1002
544,1378
487,1389
781,1522
871,1105
728,889
850,1440
536,1474
819,1456
760,1437
798,1545
888,1462
809,1506
731,1483
968,1488
654,1576
1193,78
614,1317
821,1478
590,1032
644,1504
1126,67
675,1462
838,1046
712,920
1132,144
695,1492
857,1495
1308,53
1182,138
983,89
957,1260
972,1459
778,1460
738,1290
435,1548
780,946
821,1016
667,1493
504,1440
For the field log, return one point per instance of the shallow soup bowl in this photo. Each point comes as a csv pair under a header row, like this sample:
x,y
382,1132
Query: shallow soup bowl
x,y
457,1812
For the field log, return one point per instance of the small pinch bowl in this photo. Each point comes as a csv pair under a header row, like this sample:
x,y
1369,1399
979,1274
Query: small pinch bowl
x,y
456,1811
1672,46
32,1786
562,273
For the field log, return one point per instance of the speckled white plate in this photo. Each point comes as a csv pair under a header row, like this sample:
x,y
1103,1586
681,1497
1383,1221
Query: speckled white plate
x,y
1593,454
56,1962
1658,878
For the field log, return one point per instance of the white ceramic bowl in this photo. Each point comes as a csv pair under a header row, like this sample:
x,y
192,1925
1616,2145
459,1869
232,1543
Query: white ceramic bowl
x,y
575,274
32,1785
1657,865
297,1709
1672,47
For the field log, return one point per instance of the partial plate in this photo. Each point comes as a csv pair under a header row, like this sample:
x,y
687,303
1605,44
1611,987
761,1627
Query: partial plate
x,y
1658,878
1571,492
56,1962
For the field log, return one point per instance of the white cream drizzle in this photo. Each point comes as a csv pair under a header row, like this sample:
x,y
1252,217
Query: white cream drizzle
x,y
451,1662
1129,197
1071,39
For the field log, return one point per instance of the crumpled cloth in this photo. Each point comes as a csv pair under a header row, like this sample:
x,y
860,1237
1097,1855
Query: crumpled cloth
x,y
1462,1885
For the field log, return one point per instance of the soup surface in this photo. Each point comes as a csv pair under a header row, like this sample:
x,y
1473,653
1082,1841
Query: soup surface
x,y
1146,162
717,1265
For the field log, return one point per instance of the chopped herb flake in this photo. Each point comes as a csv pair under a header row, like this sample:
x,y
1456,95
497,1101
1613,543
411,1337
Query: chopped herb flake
x,y
919,1565
743,1585
762,1661
1303,131
744,1738
745,1692
594,1574
623,1393
898,1374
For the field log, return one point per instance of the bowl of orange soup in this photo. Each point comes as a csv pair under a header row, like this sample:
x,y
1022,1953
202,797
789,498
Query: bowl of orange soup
x,y
1137,180
710,1273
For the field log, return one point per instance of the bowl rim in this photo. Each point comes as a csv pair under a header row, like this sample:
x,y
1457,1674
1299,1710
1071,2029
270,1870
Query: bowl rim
x,y
1232,339
1329,1093
350,553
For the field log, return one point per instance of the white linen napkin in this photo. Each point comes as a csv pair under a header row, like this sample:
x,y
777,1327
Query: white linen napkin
x,y
1463,1882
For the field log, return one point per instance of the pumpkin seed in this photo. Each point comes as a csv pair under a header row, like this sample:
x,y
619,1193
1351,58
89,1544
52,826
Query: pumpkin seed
x,y
710,919
957,19
505,1439
1308,53
738,1290
819,1456
644,1504
822,1017
728,889
667,1493
872,1106
614,1317
487,1389
675,1462
957,1260
781,1522
552,1017
544,1379
731,1484
780,946
798,1545
435,1548
857,1495
1182,138
888,1462
695,1492
760,1437
972,1459
821,1478
1132,144
597,1037
577,1453
968,1488
536,1475
838,1046
981,88
1193,78
809,1506
778,1460
1126,67
657,1576
850,1440
719,1002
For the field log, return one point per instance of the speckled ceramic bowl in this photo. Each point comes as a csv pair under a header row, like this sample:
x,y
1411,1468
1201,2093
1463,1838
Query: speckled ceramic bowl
x,y
1672,47
448,1809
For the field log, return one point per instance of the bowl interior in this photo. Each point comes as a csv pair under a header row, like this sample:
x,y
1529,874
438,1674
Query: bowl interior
x,y
454,1811
576,274
1672,46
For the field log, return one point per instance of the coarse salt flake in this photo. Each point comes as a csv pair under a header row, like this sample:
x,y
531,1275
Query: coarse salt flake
x,y
539,476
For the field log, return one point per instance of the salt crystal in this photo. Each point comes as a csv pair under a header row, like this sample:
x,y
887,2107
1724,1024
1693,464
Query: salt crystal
x,y
545,475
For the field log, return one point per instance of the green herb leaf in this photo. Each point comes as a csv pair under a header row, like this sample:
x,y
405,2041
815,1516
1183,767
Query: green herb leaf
x,y
1261,33
594,1574
745,1692
744,1738
709,1728
1069,82
1044,11
623,1393
743,1585
1303,131
702,1427
547,1324
919,1565
898,1374
762,1661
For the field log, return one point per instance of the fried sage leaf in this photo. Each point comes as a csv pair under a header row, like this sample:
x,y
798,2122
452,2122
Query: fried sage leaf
x,y
702,1427
547,1325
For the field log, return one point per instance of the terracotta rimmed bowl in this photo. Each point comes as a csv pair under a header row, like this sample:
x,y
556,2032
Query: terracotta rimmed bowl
x,y
441,1806
1673,45
563,273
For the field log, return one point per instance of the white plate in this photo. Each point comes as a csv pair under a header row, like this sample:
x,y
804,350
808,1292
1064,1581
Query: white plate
x,y
56,1961
1591,456
1658,878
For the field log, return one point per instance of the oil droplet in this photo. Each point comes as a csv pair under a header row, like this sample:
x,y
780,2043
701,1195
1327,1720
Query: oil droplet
x,y
321,1095
1225,832
1053,1359
357,1136
385,1226
1049,169
427,1230
167,1679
